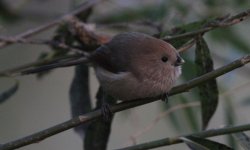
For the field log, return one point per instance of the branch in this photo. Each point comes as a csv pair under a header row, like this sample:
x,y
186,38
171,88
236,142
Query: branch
x,y
218,72
186,46
18,70
176,140
214,24
36,137
44,27
54,65
40,42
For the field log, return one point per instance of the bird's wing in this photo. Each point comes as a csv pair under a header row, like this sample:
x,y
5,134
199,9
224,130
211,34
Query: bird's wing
x,y
107,58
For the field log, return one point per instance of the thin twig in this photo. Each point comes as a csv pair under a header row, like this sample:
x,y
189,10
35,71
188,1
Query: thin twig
x,y
186,46
181,106
176,140
160,116
233,65
44,27
237,89
121,106
40,42
17,70
214,24
54,65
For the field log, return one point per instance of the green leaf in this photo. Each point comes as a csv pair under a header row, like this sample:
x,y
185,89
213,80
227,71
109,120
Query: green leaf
x,y
6,14
80,100
208,91
8,93
189,65
243,139
197,143
148,12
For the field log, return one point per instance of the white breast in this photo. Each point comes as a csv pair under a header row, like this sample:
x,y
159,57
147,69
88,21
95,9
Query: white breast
x,y
125,86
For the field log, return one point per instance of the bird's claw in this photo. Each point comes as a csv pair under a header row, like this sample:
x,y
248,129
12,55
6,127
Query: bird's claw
x,y
107,114
165,97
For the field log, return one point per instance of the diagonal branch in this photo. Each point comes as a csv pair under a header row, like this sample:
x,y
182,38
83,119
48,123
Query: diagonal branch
x,y
214,24
44,27
36,137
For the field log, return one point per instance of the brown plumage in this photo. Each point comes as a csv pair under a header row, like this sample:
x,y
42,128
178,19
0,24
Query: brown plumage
x,y
134,65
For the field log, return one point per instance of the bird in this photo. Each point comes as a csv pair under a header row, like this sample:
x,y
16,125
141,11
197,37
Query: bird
x,y
131,66
135,65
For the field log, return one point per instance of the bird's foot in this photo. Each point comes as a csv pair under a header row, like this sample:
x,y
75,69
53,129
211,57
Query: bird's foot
x,y
165,97
107,114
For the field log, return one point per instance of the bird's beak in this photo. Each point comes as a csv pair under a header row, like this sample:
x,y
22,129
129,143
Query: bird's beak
x,y
179,61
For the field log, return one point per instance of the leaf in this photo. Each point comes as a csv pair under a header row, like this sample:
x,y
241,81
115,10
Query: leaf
x,y
189,65
80,101
150,12
8,93
197,143
208,91
243,139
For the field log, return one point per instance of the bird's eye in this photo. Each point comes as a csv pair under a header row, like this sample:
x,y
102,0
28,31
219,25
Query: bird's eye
x,y
164,59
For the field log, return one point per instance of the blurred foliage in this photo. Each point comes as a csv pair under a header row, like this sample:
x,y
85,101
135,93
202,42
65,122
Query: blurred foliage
x,y
172,118
232,37
246,102
186,19
212,3
153,12
190,114
243,139
62,35
6,14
